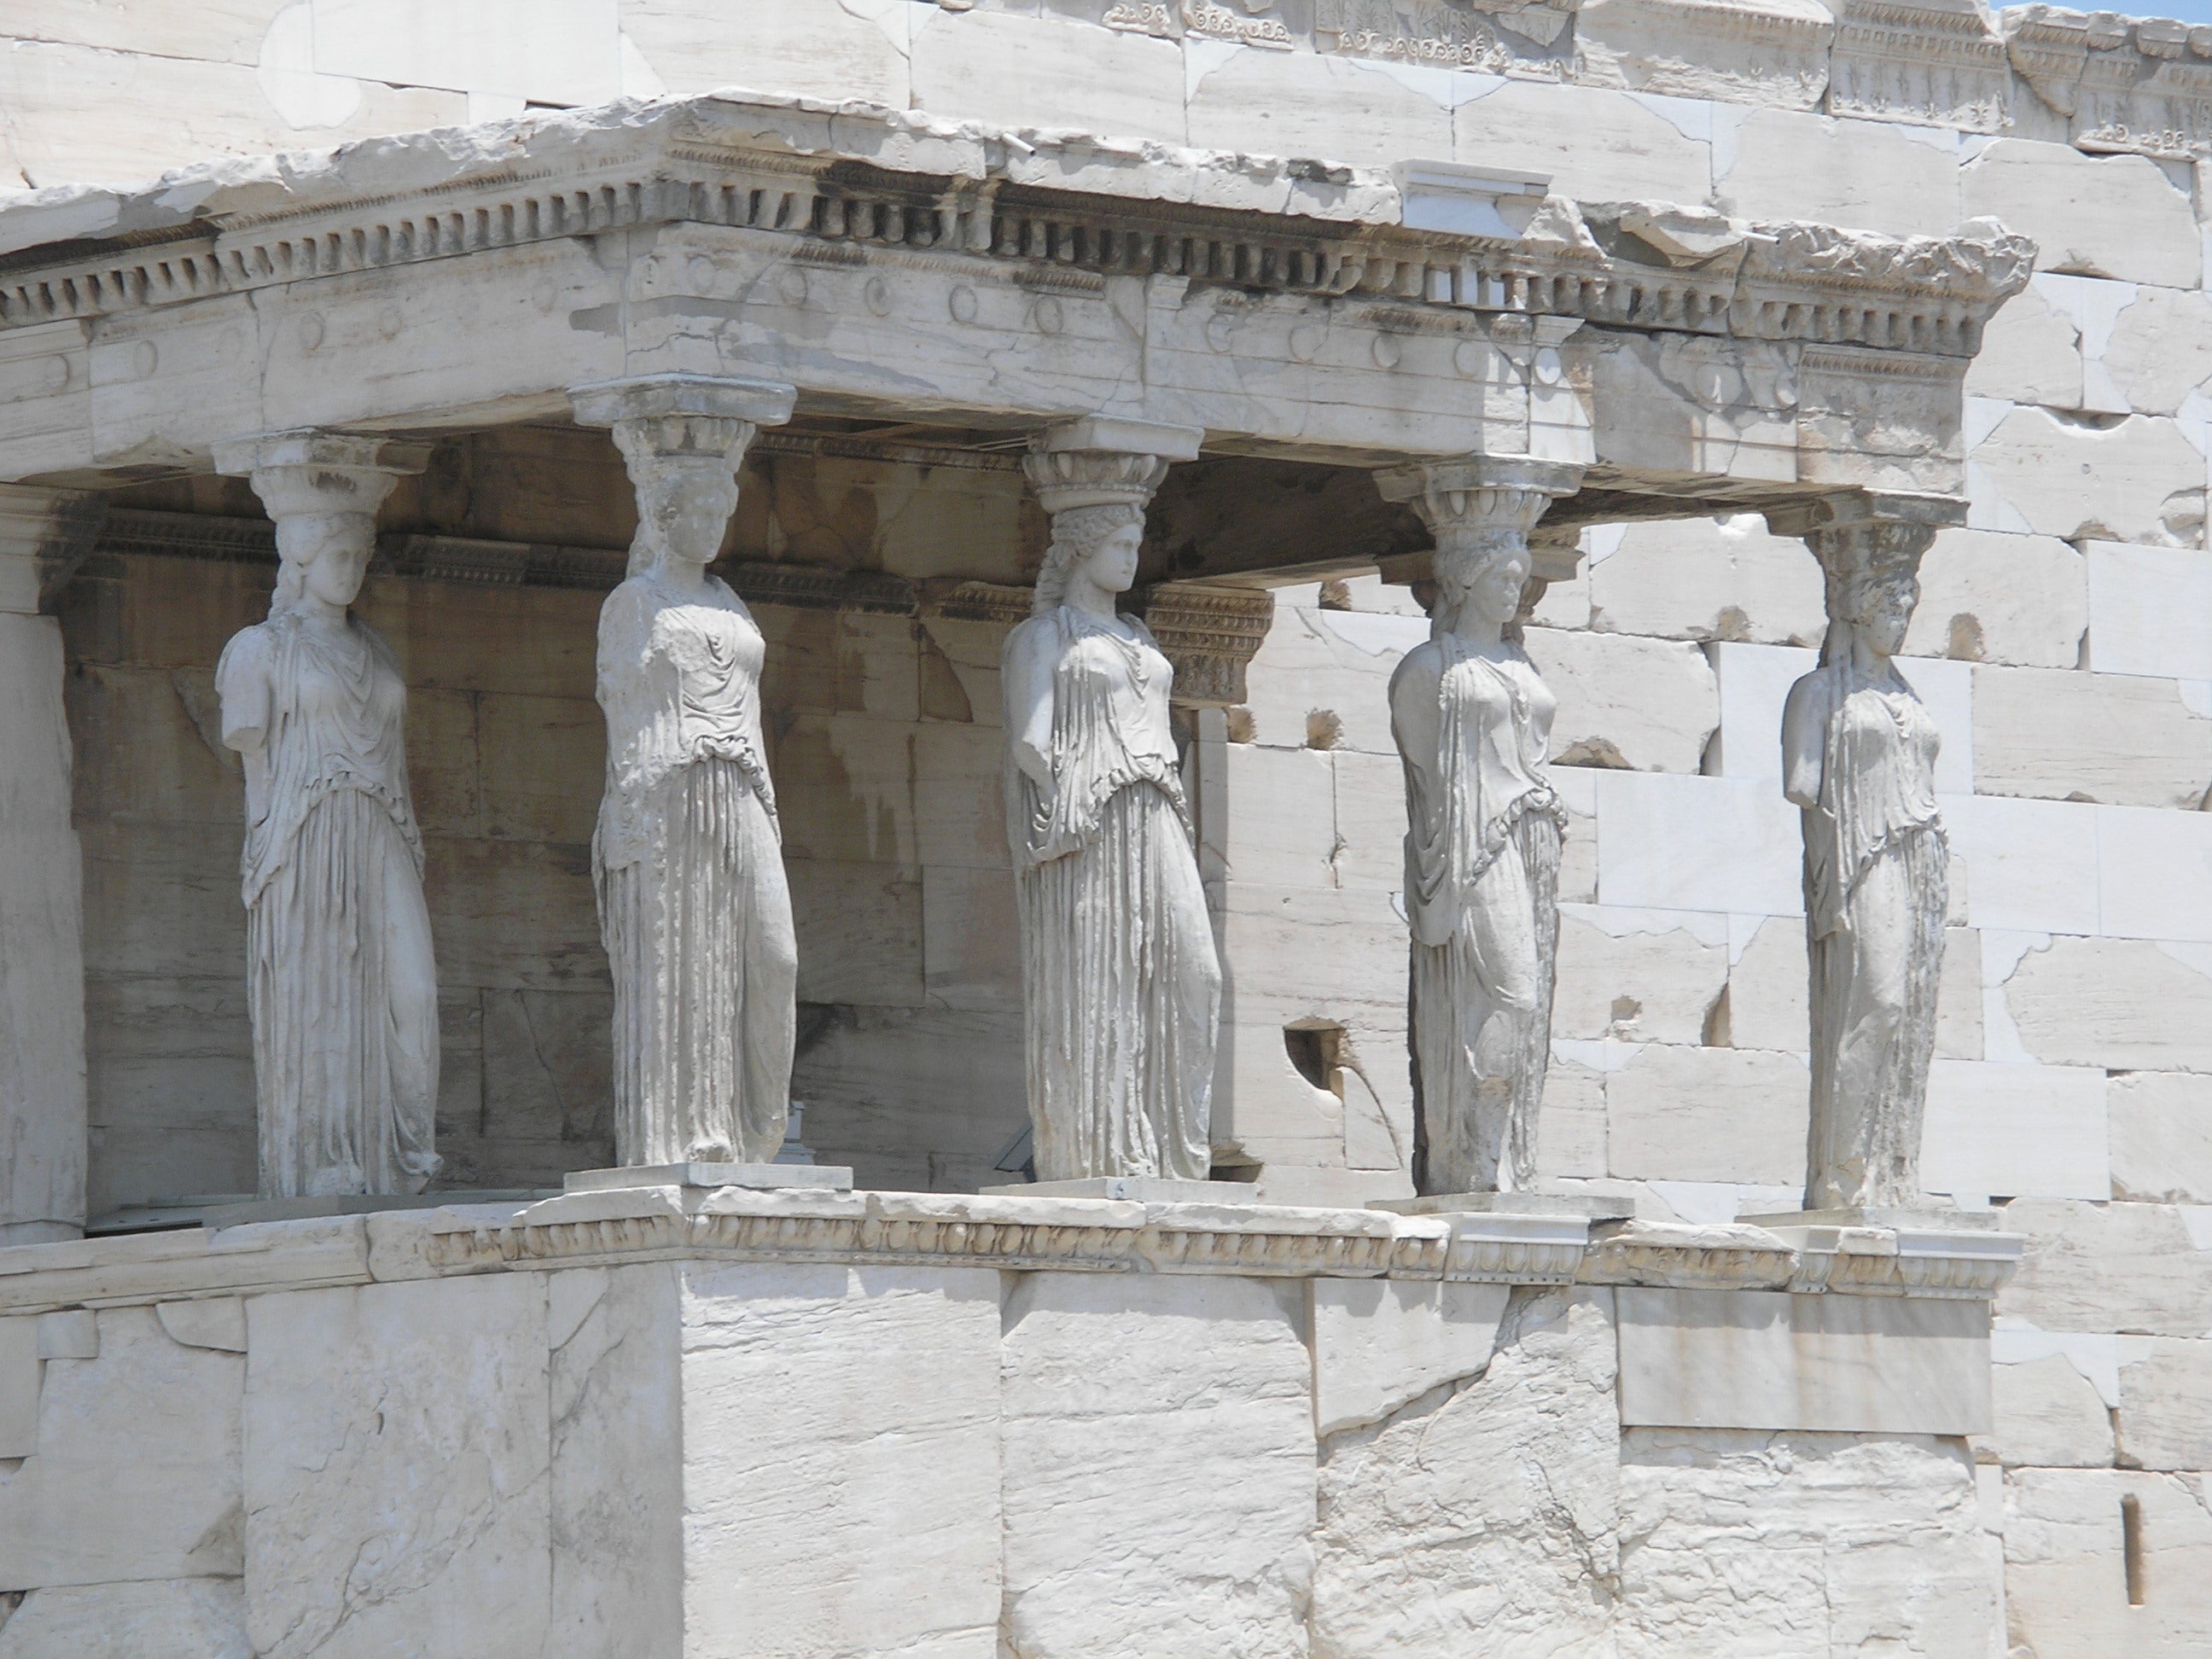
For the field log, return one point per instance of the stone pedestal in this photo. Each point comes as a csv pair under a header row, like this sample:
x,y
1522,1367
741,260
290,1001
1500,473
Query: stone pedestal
x,y
766,1177
1141,1190
42,1093
1589,1206
647,1424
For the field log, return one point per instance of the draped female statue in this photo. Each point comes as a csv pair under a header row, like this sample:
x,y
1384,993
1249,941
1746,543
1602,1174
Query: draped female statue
x,y
1858,753
341,984
1472,723
1119,975
687,857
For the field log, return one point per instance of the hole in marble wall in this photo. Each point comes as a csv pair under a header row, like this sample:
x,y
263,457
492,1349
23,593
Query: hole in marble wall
x,y
10,1599
1242,728
1718,1033
1316,1048
2131,1554
1335,596
1324,729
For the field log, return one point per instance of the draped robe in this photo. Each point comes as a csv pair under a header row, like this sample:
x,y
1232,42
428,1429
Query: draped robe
x,y
1120,979
341,984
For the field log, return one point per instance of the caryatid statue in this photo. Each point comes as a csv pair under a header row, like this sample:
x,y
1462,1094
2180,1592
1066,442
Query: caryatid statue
x,y
1119,980
340,980
1474,722
688,858
1858,756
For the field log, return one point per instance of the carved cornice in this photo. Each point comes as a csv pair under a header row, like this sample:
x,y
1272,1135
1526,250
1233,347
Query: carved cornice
x,y
1209,635
2142,86
1900,61
888,186
621,1226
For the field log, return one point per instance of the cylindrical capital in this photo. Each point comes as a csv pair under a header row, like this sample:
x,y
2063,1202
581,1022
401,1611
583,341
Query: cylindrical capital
x,y
1867,535
680,416
301,474
1488,494
1104,461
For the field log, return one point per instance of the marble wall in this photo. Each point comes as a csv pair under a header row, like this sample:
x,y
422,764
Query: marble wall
x,y
2062,643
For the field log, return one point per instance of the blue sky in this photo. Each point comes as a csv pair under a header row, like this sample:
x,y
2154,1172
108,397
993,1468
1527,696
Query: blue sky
x,y
2189,11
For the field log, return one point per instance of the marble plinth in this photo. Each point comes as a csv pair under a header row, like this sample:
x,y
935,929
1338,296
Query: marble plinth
x,y
1141,1190
830,1177
1927,1218
1602,1206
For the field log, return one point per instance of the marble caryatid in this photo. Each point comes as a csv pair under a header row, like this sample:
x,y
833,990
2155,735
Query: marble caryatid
x,y
340,980
1472,723
1858,756
687,857
1119,980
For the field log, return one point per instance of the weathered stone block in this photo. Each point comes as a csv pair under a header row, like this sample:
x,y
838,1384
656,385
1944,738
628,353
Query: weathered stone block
x,y
1029,72
1767,1359
1743,1543
861,929
135,1470
177,1618
841,1470
1767,988
1379,1344
2155,876
1296,103
1708,579
2161,348
2101,216
2014,1131
1866,174
396,1469
1484,1520
1990,597
2160,1127
2066,1577
1685,1114
913,1099
1328,669
2049,732
2124,1005
856,53
2046,1414
2136,1267
1649,976
2031,353
1159,1467
1696,843
1645,705
970,942
1595,144
2164,1418
2141,480
2150,611
1570,1131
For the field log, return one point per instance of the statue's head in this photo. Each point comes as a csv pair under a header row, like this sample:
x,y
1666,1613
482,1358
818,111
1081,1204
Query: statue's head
x,y
326,519
686,494
1485,567
1101,542
325,554
1873,574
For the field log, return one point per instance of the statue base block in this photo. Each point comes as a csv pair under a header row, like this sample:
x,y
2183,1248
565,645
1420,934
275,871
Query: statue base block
x,y
1589,1206
818,1177
1141,1190
1929,1218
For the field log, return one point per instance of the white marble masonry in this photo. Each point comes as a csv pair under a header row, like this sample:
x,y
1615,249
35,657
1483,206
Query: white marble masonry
x,y
1768,1359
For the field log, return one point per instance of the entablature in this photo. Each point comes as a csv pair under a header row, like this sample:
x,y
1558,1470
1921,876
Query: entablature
x,y
887,265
